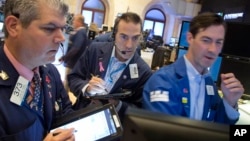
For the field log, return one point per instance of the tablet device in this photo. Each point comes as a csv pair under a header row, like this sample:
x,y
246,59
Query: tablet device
x,y
123,94
98,124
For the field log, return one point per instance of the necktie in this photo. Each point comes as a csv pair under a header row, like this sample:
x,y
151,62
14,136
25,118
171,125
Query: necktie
x,y
36,93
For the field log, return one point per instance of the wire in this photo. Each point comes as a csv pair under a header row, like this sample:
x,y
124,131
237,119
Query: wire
x,y
58,62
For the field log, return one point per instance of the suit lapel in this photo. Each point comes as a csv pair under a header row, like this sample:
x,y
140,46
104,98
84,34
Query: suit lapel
x,y
183,84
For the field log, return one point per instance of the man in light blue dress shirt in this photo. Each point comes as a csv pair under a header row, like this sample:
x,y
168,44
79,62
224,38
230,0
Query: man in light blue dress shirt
x,y
185,88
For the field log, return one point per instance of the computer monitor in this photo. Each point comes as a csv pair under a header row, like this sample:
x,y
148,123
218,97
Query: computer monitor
x,y
1,16
183,34
241,69
105,28
142,125
181,52
236,41
215,69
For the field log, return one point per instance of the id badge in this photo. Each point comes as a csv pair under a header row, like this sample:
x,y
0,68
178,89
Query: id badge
x,y
210,89
133,69
20,91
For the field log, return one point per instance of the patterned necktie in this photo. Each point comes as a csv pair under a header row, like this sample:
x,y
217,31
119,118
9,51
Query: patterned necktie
x,y
37,92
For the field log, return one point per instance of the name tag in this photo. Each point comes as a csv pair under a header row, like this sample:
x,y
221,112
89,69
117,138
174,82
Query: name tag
x,y
210,90
19,91
159,96
133,69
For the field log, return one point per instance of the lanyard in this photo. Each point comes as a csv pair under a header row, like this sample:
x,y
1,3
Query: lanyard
x,y
113,72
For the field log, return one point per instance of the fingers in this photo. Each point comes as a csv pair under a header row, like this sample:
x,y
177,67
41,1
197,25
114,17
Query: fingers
x,y
231,87
61,135
231,82
98,82
96,86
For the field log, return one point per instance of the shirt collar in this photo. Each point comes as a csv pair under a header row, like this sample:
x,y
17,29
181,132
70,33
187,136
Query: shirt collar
x,y
21,69
192,72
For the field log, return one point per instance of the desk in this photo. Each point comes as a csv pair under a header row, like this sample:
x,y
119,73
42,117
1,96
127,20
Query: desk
x,y
244,109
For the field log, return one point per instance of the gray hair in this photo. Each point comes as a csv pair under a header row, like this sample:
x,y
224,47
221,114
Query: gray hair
x,y
28,10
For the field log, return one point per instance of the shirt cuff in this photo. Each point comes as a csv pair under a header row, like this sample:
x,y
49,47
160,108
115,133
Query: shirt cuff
x,y
231,112
84,90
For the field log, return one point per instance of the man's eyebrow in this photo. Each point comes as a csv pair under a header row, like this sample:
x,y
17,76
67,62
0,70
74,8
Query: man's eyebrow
x,y
54,25
207,37
128,35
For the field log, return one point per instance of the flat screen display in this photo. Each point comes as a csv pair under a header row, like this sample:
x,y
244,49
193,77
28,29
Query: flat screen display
x,y
183,34
144,125
1,26
215,69
97,125
240,69
237,40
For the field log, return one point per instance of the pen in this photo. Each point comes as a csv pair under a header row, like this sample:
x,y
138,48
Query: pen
x,y
98,77
94,75
208,114
57,133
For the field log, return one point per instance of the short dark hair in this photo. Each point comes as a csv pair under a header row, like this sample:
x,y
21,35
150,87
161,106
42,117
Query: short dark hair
x,y
28,10
128,17
205,20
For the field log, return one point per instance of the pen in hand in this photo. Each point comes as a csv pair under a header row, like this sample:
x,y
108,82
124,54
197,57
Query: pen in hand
x,y
92,75
57,133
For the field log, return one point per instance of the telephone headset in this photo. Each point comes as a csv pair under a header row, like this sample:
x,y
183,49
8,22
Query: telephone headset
x,y
117,20
62,49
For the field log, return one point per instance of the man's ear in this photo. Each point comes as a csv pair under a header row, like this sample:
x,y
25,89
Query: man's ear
x,y
189,37
12,25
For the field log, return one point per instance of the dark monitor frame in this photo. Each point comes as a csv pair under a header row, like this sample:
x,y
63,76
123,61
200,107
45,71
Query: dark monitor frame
x,y
142,125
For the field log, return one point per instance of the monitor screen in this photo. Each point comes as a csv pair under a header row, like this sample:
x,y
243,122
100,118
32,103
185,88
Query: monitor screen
x,y
1,26
215,68
142,125
241,71
1,17
237,40
183,34
105,28
181,52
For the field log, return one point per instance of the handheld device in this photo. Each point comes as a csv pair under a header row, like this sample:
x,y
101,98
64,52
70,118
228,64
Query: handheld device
x,y
98,124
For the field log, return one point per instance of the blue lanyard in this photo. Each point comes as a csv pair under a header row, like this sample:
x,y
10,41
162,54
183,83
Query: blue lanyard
x,y
112,71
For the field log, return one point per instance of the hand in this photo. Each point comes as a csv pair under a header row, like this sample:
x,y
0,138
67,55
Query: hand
x,y
96,86
232,88
115,102
61,135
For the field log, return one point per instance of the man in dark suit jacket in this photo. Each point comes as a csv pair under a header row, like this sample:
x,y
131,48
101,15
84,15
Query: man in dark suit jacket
x,y
107,37
29,49
109,67
78,42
